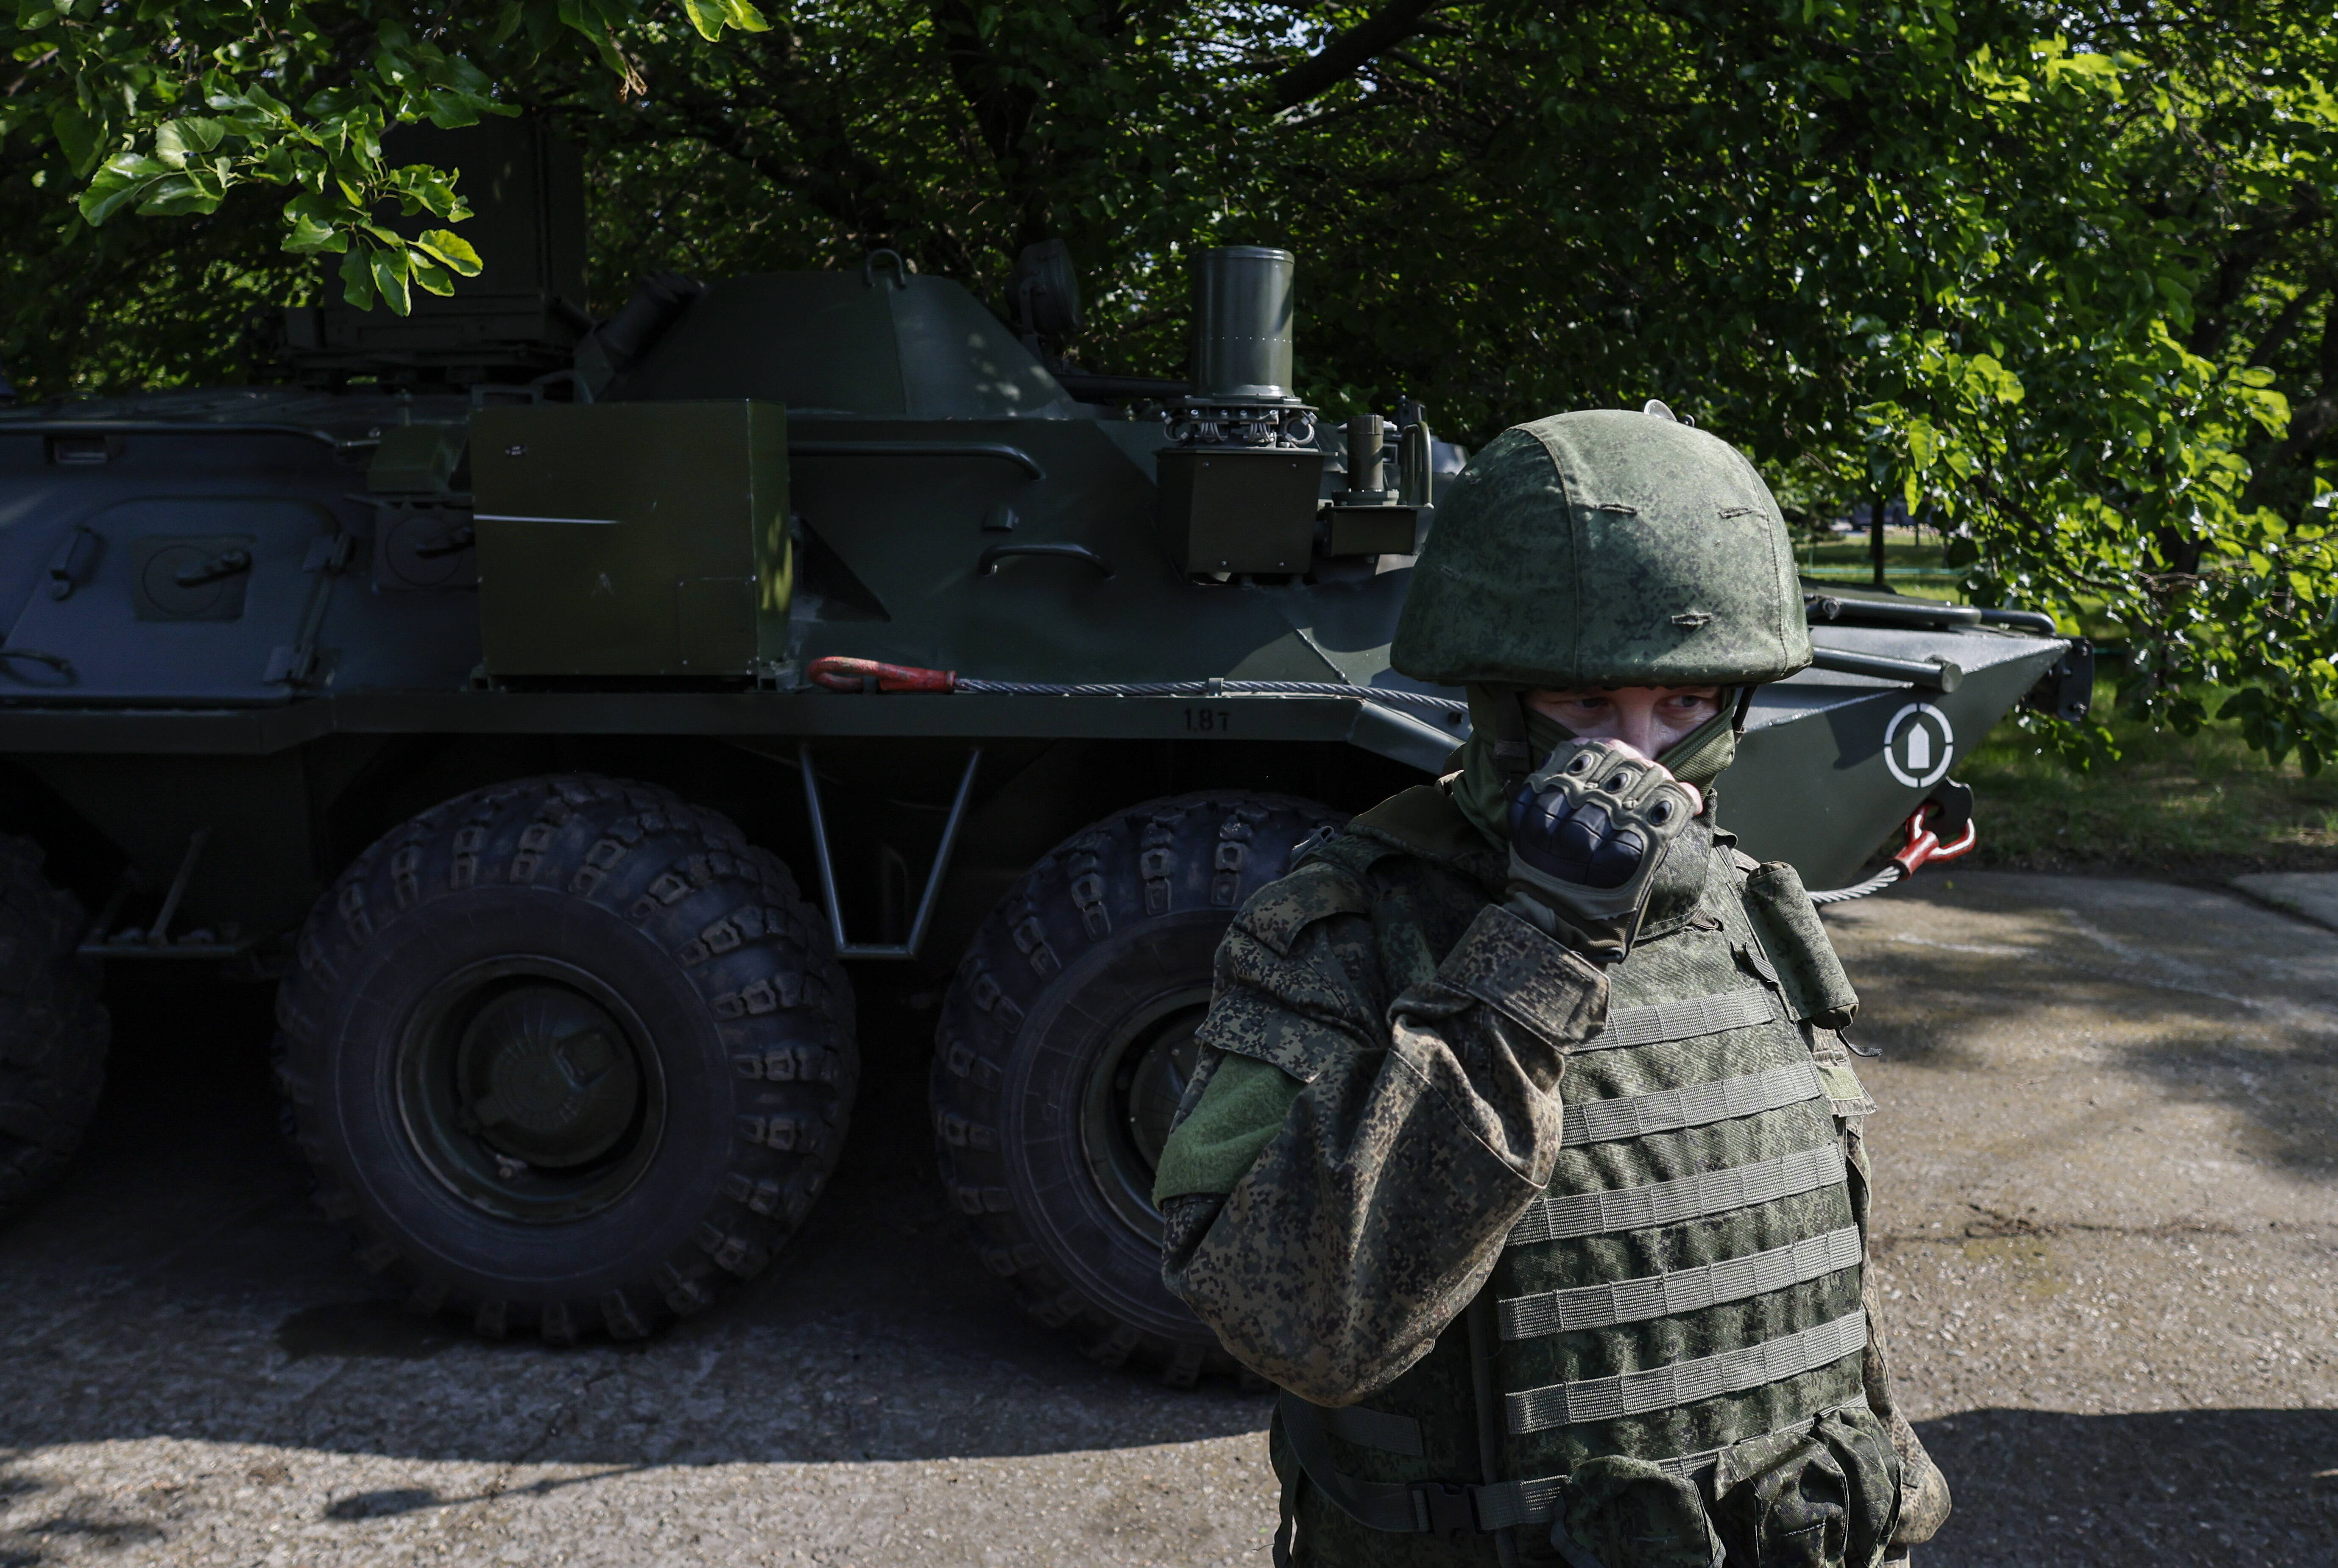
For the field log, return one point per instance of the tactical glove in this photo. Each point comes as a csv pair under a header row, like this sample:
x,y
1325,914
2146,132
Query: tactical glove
x,y
1587,834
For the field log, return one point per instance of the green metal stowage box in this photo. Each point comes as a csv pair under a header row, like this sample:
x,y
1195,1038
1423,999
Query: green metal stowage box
x,y
631,538
1239,508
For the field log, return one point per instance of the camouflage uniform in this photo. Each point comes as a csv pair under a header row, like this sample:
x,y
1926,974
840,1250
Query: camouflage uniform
x,y
1553,1263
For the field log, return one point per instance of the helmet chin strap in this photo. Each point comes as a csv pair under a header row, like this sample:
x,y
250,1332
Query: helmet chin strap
x,y
1513,756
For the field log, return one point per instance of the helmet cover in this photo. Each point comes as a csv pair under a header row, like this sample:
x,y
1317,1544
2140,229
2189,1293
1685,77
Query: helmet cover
x,y
1605,548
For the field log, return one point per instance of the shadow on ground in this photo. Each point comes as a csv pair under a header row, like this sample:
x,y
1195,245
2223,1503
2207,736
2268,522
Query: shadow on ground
x,y
2205,996
177,1283
2036,1487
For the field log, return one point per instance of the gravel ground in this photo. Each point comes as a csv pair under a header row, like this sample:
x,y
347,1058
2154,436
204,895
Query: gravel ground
x,y
2108,1230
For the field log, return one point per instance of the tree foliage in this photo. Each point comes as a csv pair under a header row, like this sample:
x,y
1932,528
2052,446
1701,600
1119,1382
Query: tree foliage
x,y
2058,276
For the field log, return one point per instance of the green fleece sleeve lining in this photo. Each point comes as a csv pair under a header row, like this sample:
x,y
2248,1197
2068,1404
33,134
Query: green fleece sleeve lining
x,y
1239,1114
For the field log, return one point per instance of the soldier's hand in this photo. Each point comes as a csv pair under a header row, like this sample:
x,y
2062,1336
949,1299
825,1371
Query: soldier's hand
x,y
1588,832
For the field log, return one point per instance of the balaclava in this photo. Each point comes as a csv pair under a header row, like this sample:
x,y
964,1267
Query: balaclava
x,y
1696,758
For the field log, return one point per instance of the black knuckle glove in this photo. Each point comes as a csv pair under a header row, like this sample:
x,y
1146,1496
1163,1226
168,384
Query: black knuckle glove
x,y
1588,832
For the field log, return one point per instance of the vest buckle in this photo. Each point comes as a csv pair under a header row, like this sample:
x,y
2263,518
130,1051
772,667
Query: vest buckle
x,y
1445,1509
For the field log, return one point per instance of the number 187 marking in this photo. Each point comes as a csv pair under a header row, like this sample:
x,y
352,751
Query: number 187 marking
x,y
1212,720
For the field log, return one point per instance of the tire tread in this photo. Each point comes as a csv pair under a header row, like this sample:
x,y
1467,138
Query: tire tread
x,y
1162,858
53,1028
757,955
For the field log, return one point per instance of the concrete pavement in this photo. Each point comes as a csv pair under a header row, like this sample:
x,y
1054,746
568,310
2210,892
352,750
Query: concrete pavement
x,y
2107,1172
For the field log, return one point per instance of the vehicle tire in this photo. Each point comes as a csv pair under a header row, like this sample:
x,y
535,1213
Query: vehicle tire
x,y
53,1030
1065,1041
566,1052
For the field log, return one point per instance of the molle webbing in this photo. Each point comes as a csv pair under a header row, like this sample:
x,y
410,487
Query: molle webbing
x,y
1698,1104
1411,1507
1698,1197
1533,1502
1681,1290
1404,1507
1687,1382
1683,1020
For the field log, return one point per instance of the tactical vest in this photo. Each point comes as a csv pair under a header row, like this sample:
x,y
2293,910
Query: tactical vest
x,y
1677,1323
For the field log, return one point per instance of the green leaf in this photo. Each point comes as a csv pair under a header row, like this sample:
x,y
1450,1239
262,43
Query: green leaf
x,y
323,208
611,57
357,279
451,110
432,277
177,194
710,16
189,136
121,183
311,236
451,251
80,137
389,275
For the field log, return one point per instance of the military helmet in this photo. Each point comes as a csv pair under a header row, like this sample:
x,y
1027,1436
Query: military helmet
x,y
1605,548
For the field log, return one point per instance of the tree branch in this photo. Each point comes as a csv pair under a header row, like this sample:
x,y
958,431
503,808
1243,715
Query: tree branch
x,y
1338,60
1004,110
2276,333
826,170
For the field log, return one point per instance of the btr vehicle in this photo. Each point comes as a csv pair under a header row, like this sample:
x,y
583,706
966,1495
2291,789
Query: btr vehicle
x,y
574,717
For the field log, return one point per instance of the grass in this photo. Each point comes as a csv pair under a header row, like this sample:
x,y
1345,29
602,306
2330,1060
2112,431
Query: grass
x,y
2202,805
1908,558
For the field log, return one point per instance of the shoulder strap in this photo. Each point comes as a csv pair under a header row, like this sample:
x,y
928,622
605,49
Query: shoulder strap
x,y
1425,822
1327,884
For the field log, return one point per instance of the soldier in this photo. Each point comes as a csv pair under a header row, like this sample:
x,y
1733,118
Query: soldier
x,y
1523,1153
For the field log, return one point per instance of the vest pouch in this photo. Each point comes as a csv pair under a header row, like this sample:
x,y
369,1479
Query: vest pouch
x,y
1620,1512
1817,990
1828,1501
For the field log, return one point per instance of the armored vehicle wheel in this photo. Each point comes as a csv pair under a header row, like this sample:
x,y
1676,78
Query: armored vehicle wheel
x,y
1065,1046
566,1052
53,1028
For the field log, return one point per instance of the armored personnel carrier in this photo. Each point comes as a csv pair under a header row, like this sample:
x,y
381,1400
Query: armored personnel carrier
x,y
575,716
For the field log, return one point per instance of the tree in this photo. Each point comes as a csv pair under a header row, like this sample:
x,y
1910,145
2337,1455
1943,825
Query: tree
x,y
2057,274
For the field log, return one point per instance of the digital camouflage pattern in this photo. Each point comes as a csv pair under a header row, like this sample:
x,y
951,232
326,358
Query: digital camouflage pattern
x,y
1456,1109
1421,1029
1605,548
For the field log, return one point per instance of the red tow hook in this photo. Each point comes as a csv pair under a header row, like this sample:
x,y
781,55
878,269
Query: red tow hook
x,y
1924,846
839,673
